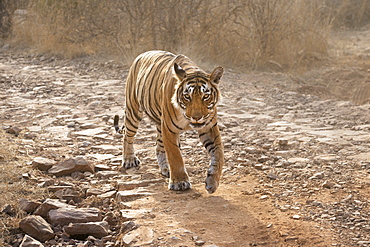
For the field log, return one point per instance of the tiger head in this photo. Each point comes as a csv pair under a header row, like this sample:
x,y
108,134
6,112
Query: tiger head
x,y
197,94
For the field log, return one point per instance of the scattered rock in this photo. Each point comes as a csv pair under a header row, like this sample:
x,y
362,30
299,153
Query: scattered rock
x,y
68,195
94,192
109,194
318,175
139,237
27,205
14,130
37,227
64,216
59,187
8,209
70,166
131,214
122,196
122,186
42,164
296,217
327,184
49,204
96,229
261,167
29,241
128,226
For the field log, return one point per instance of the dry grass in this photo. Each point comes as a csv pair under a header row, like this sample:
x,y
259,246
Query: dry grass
x,y
12,186
275,34
280,34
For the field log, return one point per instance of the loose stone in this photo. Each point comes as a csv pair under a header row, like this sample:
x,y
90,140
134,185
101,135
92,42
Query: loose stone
x,y
37,227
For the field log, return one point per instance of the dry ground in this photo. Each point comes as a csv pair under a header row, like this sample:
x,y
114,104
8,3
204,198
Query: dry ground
x,y
297,150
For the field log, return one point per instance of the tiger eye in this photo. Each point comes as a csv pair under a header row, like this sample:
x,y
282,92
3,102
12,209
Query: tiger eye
x,y
186,97
206,97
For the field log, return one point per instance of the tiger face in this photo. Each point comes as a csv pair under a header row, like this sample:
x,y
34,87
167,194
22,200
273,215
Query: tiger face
x,y
197,95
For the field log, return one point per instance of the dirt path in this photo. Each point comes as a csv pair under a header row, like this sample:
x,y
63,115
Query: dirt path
x,y
297,166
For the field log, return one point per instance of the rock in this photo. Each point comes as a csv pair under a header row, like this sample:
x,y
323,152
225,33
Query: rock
x,y
264,197
107,174
261,167
96,229
64,216
272,176
102,167
93,105
139,237
327,185
42,164
90,132
298,160
14,130
263,159
122,196
199,242
37,227
296,217
101,157
318,175
59,187
8,209
88,126
29,241
68,195
349,197
363,243
109,194
45,183
94,192
27,205
49,204
70,166
128,226
283,143
131,214
122,186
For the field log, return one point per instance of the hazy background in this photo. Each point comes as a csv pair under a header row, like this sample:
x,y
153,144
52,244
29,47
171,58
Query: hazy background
x,y
253,34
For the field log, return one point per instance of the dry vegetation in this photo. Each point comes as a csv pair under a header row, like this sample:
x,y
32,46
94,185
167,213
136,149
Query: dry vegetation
x,y
16,187
279,34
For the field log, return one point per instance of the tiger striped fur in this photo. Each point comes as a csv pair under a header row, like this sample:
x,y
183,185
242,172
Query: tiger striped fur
x,y
177,95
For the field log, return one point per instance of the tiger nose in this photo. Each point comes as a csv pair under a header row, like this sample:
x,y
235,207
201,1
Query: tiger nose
x,y
197,117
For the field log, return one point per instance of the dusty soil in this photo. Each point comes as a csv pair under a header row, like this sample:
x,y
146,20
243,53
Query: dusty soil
x,y
297,150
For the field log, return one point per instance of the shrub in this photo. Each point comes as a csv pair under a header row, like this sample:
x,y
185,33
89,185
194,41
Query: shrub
x,y
236,33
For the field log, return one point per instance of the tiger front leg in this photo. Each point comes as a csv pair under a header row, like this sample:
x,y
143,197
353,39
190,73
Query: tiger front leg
x,y
161,154
132,120
129,158
179,179
213,144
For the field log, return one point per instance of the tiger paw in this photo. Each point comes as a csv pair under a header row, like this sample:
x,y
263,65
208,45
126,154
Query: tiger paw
x,y
181,185
163,164
165,170
131,161
211,183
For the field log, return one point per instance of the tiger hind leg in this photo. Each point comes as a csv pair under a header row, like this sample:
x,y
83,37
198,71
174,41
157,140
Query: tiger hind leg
x,y
161,154
132,120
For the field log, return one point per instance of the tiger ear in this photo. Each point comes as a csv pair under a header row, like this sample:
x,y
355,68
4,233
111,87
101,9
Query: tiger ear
x,y
181,74
217,74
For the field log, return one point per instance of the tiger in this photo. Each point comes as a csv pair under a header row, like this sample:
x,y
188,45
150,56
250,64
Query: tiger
x,y
177,96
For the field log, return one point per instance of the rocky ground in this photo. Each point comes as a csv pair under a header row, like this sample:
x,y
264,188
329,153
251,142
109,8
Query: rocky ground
x,y
297,162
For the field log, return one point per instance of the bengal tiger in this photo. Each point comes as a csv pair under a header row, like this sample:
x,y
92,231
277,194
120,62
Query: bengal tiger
x,y
177,95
